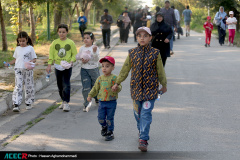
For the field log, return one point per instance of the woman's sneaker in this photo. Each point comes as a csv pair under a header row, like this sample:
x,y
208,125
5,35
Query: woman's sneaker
x,y
143,145
109,136
28,106
66,107
16,108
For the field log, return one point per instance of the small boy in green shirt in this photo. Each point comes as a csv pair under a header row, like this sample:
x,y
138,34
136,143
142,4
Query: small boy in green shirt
x,y
107,98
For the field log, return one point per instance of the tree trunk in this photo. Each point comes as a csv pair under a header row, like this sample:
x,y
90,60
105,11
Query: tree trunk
x,y
57,15
87,9
78,13
20,16
98,16
71,12
4,35
32,24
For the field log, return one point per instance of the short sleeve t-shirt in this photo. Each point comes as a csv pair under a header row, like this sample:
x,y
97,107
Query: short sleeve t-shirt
x,y
23,54
187,15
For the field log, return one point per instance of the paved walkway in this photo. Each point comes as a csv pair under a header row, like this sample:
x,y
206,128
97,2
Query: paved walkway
x,y
200,112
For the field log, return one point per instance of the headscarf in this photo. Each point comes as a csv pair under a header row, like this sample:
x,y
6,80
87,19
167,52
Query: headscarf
x,y
126,21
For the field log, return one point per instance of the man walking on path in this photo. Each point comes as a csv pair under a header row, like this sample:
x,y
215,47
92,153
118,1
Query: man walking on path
x,y
169,17
187,13
106,21
178,18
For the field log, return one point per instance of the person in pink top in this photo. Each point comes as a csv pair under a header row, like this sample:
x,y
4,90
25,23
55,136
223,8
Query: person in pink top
x,y
231,22
208,31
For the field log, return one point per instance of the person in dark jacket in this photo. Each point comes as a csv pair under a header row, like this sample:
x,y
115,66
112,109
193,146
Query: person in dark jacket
x,y
162,33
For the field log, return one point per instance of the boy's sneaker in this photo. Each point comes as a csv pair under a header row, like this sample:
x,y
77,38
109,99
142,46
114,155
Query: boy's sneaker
x,y
143,145
84,109
104,131
109,136
28,106
61,106
16,108
66,107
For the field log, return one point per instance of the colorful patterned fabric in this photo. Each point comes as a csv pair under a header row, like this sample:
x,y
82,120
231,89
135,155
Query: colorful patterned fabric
x,y
144,81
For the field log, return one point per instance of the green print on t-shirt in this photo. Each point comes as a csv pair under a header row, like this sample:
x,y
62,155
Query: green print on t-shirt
x,y
62,51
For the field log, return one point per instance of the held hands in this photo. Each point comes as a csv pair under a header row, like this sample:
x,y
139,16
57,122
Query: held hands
x,y
94,48
163,89
89,99
115,88
166,40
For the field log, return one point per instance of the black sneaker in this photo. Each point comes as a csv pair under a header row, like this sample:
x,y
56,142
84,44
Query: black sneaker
x,y
205,45
108,47
110,136
104,131
143,145
208,45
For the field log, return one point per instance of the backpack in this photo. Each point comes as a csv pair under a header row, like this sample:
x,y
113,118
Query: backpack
x,y
217,22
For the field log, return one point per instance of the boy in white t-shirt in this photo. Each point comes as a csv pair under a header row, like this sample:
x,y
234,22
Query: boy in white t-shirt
x,y
231,22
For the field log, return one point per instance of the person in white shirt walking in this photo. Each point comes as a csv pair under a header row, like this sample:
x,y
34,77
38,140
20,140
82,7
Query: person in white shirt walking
x,y
231,22
89,57
24,53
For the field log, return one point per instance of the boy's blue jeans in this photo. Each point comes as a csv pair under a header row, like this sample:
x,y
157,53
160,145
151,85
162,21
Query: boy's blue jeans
x,y
143,115
88,78
106,111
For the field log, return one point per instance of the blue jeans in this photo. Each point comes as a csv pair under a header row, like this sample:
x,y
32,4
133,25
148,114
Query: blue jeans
x,y
171,40
143,115
106,112
88,78
63,83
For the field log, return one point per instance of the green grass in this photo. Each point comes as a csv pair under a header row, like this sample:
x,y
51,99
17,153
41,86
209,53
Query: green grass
x,y
14,137
38,120
5,144
29,123
50,109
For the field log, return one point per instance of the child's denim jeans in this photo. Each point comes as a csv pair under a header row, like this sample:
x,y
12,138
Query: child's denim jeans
x,y
106,111
143,115
88,77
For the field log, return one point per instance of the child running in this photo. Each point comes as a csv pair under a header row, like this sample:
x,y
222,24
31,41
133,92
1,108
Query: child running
x,y
89,57
24,53
107,98
231,22
62,50
208,31
147,71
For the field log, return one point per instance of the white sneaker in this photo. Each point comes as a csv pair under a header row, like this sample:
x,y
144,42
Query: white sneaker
x,y
29,106
61,106
66,107
84,109
229,44
232,44
16,109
